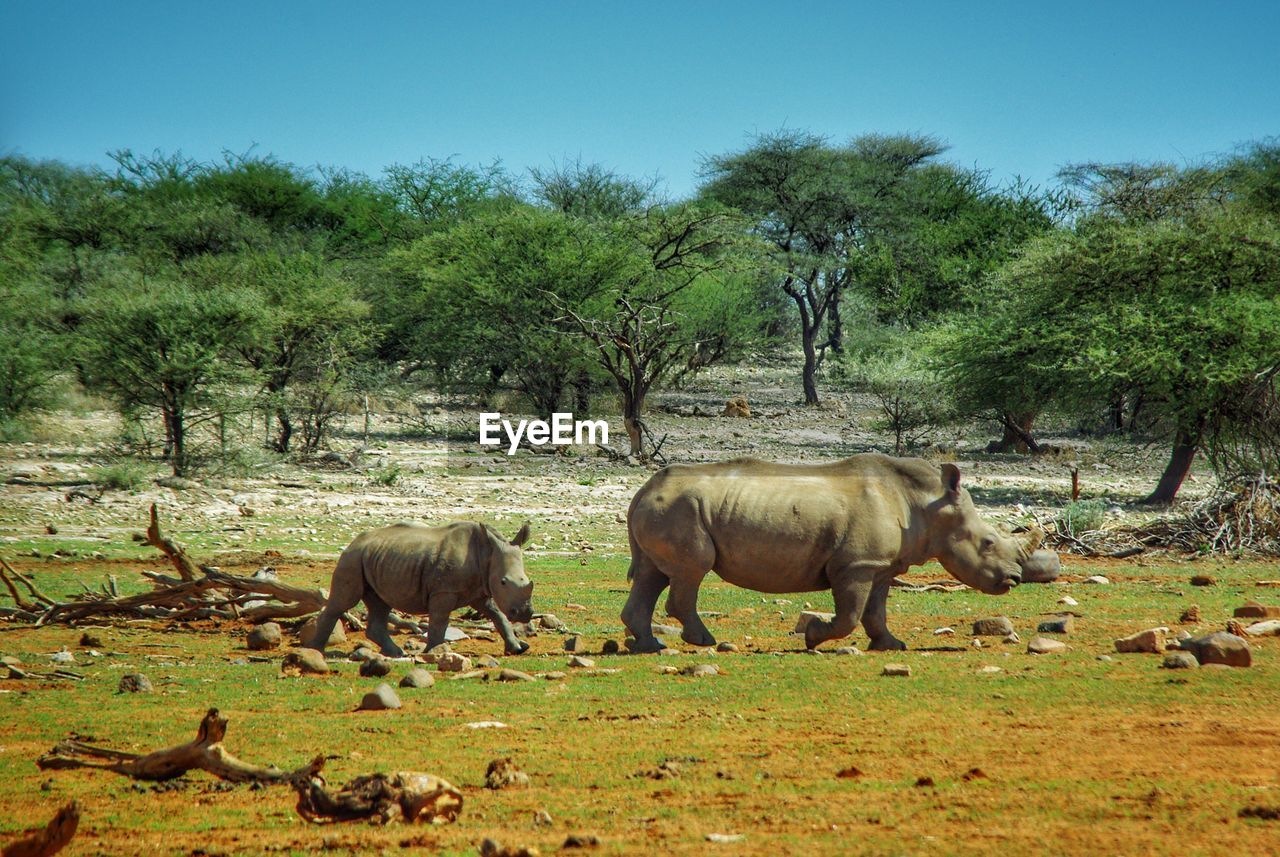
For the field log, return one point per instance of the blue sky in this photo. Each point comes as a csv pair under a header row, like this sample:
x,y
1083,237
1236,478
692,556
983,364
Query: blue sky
x,y
645,88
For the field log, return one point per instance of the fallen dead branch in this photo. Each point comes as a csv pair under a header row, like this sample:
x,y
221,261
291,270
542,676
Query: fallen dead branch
x,y
205,753
49,840
380,798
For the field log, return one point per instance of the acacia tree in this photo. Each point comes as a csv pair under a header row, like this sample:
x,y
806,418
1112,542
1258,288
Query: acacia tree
x,y
818,207
311,331
683,303
1181,312
165,346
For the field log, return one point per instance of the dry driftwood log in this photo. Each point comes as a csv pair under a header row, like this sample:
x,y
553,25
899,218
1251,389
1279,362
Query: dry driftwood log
x,y
411,795
205,753
50,839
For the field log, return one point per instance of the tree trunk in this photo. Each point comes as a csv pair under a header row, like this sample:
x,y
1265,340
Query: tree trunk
x,y
582,395
1185,445
1017,436
810,368
178,436
285,434
168,435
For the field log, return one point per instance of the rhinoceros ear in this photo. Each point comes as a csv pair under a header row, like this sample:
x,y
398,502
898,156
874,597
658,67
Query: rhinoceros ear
x,y
1035,538
951,479
522,536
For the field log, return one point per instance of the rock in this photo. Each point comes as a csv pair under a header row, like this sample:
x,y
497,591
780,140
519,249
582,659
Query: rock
x,y
11,661
581,840
493,848
555,675
1190,616
381,698
997,626
453,635
700,670
1220,648
1150,640
93,641
26,471
486,662
304,662
943,632
573,644
542,818
736,406
503,774
896,670
1236,627
610,647
337,638
63,657
375,667
1182,635
1203,580
579,661
1062,625
1104,658
417,677
990,669
1269,628
1068,600
134,683
726,646
1179,661
362,653
452,662
666,630
725,838
1254,610
551,622
807,616
848,650
1010,638
1098,579
264,636
514,675
1043,566
1045,646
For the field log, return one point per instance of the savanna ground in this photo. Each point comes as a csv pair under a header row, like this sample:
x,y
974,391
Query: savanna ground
x,y
1057,752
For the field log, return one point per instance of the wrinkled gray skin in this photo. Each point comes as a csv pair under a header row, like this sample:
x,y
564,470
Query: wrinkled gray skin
x,y
435,570
850,526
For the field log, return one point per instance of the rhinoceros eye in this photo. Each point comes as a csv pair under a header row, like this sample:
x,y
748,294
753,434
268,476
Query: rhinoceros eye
x,y
988,542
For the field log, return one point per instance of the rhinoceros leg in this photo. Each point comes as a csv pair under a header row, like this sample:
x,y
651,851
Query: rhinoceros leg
x,y
647,583
379,612
439,606
682,604
512,644
852,590
874,618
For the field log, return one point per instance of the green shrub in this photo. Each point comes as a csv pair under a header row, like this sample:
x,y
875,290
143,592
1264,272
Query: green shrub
x,y
1082,516
122,475
386,476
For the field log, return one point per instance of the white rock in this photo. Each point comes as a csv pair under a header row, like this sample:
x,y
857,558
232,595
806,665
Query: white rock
x,y
939,632
1097,578
1068,600
1269,628
486,724
808,616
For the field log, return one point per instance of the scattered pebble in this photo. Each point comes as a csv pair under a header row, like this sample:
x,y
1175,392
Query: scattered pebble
x,y
376,667
700,670
1068,600
552,622
452,662
943,632
1190,616
997,626
486,724
807,616
514,675
1045,646
1251,610
726,646
304,662
1220,648
1097,579
265,636
381,698
580,840
555,675
417,677
503,774
134,683
486,662
1269,628
896,670
63,657
1062,625
1180,661
848,650
573,644
1011,638
990,669
725,838
581,662
1150,640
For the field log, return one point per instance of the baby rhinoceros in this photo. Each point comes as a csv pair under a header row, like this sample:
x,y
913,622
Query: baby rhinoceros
x,y
414,568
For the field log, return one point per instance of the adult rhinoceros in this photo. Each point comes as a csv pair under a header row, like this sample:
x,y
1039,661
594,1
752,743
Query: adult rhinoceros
x,y
849,526
419,569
